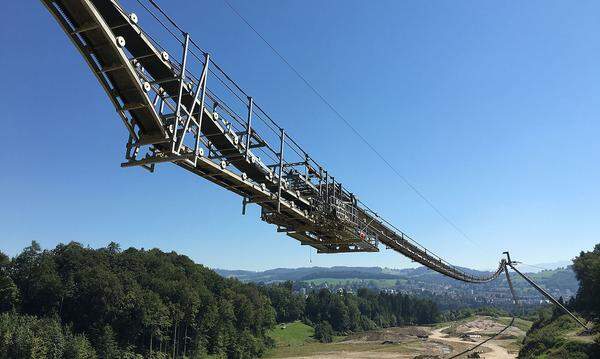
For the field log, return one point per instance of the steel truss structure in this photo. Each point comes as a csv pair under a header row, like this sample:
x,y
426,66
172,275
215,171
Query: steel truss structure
x,y
179,106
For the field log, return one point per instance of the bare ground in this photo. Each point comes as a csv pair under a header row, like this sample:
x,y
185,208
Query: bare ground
x,y
405,342
490,350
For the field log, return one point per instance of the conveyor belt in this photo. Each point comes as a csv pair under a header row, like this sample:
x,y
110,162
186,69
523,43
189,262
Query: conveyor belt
x,y
142,80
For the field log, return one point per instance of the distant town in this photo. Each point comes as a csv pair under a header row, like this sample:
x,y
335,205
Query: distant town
x,y
448,293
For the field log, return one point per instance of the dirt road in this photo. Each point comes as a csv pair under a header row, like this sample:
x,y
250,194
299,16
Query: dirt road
x,y
494,351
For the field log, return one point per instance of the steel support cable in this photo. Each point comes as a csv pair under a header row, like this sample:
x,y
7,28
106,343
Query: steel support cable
x,y
267,123
267,116
194,44
356,132
228,88
547,295
229,78
532,266
224,104
161,22
232,115
152,39
157,7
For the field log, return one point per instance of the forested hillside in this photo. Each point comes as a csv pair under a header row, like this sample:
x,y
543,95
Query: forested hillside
x,y
554,334
109,303
77,302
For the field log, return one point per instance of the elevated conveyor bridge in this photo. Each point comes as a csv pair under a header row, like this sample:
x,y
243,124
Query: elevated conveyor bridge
x,y
178,106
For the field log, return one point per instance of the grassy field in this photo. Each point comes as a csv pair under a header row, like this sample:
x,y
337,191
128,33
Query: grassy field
x,y
293,339
296,339
292,334
559,338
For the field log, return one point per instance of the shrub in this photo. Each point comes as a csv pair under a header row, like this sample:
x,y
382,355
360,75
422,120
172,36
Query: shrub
x,y
324,332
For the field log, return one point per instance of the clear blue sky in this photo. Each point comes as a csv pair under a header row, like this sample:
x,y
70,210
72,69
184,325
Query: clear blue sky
x,y
489,108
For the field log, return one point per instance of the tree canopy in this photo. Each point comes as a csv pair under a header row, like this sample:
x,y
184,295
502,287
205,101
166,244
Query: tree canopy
x,y
587,271
137,301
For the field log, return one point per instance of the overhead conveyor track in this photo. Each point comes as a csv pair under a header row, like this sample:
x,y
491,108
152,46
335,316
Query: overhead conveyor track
x,y
178,106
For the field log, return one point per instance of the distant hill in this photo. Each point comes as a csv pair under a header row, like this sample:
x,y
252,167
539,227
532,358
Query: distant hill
x,y
563,275
538,267
304,273
559,282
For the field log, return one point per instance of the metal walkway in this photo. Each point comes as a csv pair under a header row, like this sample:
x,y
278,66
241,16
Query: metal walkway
x,y
178,106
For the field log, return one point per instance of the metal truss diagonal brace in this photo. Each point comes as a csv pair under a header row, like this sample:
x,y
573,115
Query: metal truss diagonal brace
x,y
201,90
280,182
186,45
249,127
